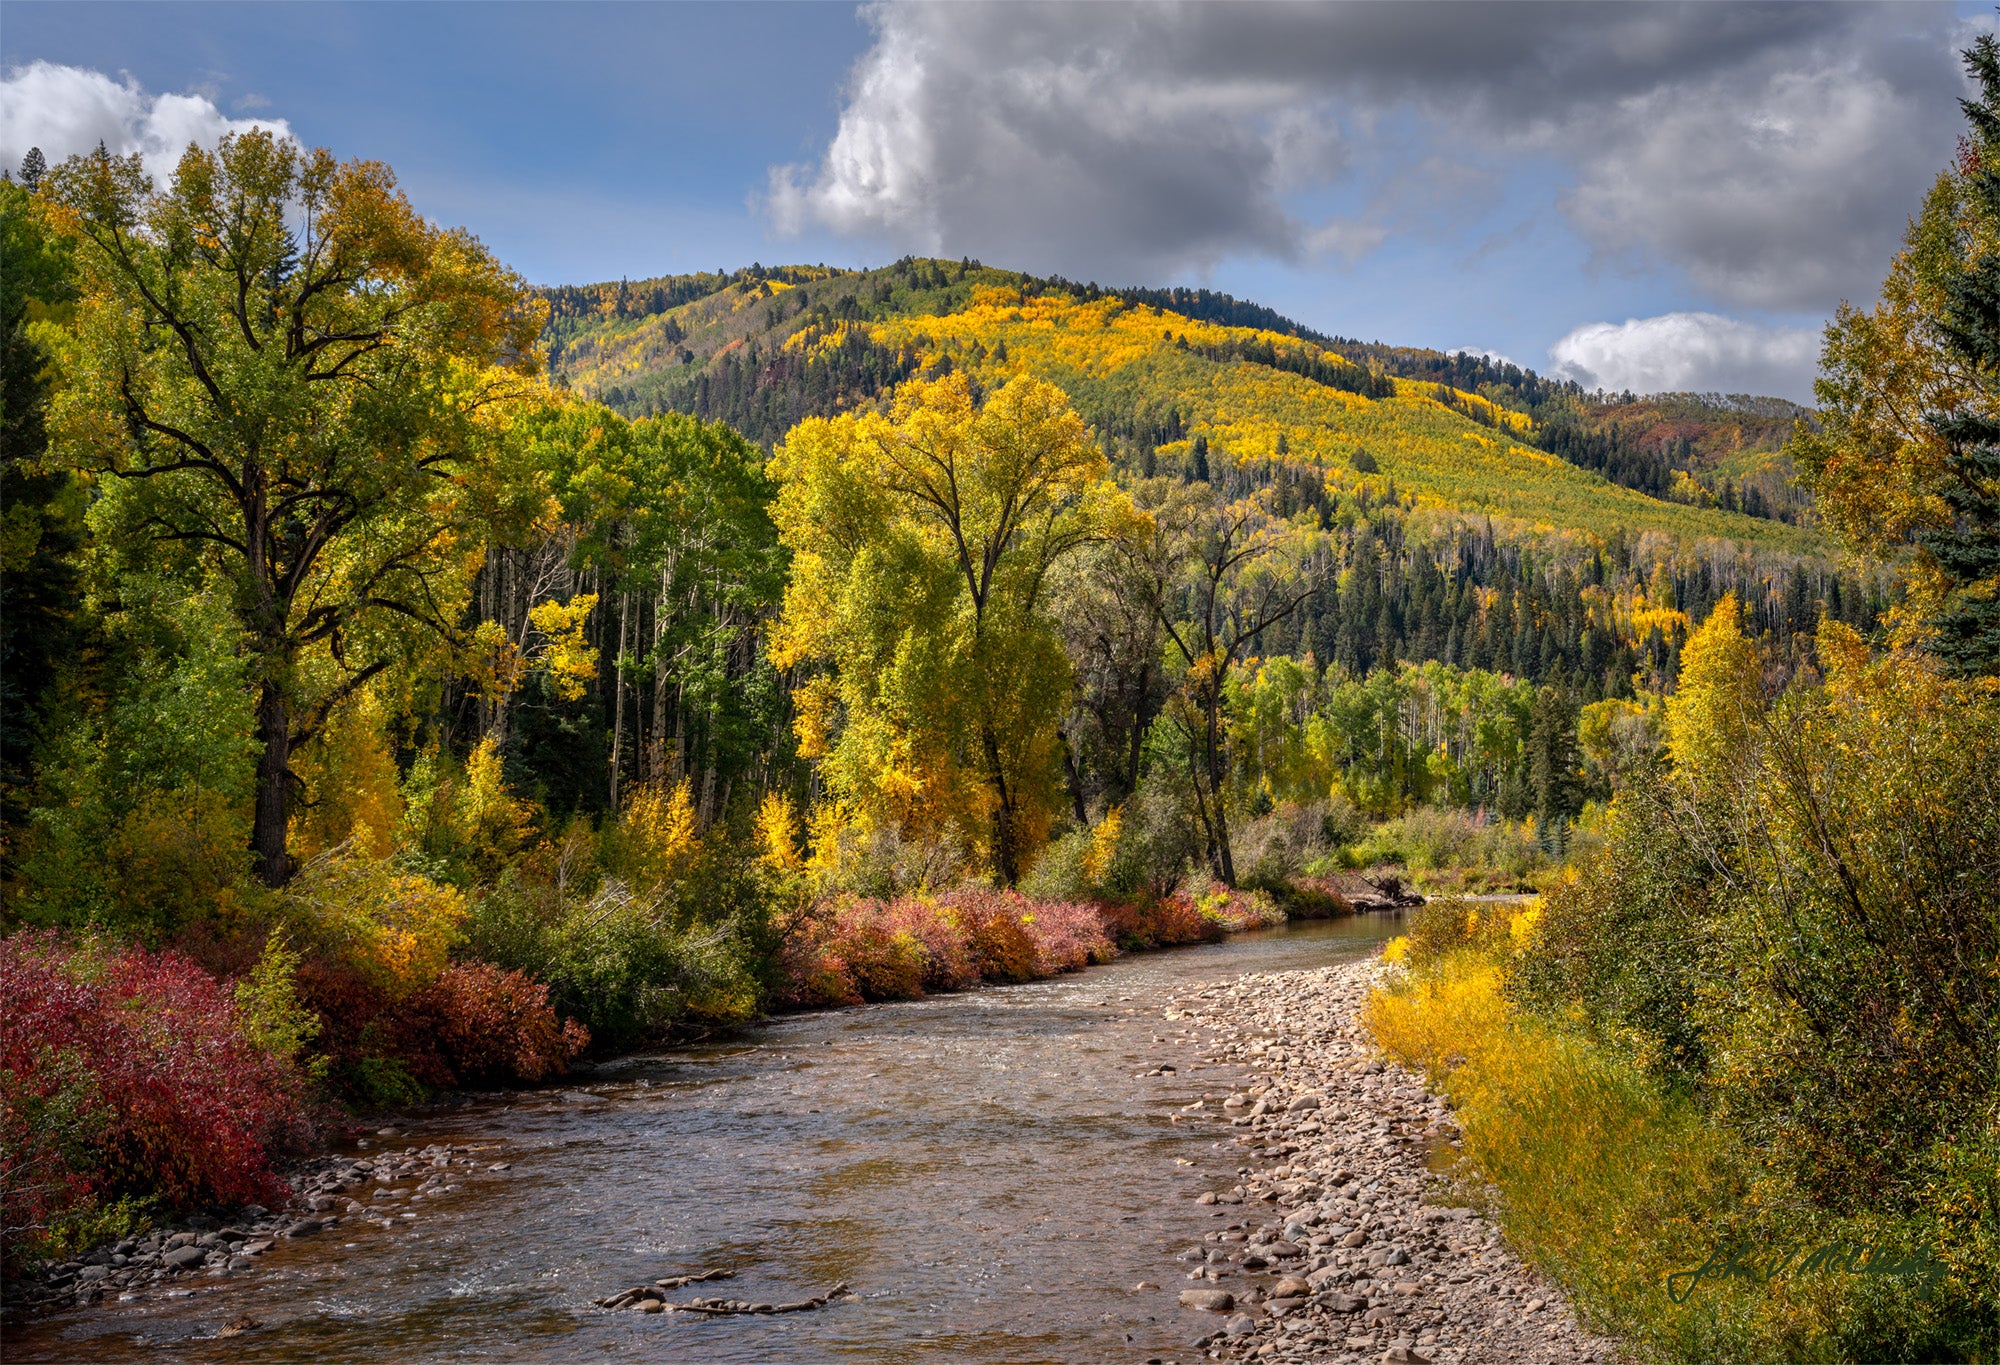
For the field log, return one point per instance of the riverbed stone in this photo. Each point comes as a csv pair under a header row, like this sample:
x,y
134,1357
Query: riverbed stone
x,y
1341,1183
1208,1300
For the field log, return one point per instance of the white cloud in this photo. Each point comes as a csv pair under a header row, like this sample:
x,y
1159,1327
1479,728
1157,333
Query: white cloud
x,y
1768,153
1690,352
68,110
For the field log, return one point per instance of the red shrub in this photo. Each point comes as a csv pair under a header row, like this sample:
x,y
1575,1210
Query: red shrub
x,y
948,959
1000,943
1068,935
813,976
475,1023
494,1025
363,1029
1159,923
885,964
126,1072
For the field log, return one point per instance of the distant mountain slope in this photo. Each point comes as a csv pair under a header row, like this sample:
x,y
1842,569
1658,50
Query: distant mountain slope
x,y
762,348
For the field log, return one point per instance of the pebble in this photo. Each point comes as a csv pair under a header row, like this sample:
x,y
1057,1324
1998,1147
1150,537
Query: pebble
x,y
1346,1240
155,1263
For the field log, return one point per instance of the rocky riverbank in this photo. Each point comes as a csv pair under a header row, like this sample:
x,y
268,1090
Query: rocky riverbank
x,y
385,1188
1338,1242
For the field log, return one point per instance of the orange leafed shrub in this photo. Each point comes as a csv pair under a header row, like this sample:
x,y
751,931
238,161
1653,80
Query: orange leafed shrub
x,y
1068,936
494,1025
1160,923
1001,944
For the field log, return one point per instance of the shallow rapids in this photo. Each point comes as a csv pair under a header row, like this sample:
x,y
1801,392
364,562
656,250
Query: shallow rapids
x,y
992,1173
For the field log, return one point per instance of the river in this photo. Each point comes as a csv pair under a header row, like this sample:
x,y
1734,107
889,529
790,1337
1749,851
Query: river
x,y
992,1172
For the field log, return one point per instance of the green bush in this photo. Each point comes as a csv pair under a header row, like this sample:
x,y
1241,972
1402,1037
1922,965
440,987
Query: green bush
x,y
627,965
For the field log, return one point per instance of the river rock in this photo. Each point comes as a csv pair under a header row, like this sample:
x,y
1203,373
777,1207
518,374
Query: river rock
x,y
1242,1325
182,1257
1208,1300
1290,1287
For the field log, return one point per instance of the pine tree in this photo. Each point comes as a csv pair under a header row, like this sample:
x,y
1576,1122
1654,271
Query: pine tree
x,y
33,167
1968,549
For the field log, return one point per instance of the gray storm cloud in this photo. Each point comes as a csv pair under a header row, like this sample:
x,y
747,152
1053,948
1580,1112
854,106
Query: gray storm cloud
x,y
1769,151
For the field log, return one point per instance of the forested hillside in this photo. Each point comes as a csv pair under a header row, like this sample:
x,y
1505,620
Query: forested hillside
x,y
1593,525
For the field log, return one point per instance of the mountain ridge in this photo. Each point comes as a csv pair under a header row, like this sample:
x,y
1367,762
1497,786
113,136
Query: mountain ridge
x,y
763,347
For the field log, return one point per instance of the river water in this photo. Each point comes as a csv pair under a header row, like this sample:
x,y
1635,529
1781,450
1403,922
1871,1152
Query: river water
x,y
992,1172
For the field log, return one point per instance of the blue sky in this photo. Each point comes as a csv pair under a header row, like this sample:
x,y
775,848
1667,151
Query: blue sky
x,y
1643,196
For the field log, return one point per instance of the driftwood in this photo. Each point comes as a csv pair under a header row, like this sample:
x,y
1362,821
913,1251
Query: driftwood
x,y
1388,893
721,1307
652,1298
655,1290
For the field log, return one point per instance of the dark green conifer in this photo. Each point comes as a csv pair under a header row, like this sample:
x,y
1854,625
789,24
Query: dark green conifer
x,y
1968,548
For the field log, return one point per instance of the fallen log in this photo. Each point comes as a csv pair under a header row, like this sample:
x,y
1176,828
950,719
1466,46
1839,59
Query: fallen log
x,y
726,1307
656,1290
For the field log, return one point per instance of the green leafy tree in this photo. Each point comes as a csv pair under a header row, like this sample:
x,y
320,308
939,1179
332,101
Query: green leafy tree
x,y
291,384
1230,572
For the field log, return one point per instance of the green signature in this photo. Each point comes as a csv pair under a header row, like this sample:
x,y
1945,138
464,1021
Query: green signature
x,y
1760,1265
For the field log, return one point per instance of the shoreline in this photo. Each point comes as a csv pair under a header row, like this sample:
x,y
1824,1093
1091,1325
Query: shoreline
x,y
124,1269
1338,1243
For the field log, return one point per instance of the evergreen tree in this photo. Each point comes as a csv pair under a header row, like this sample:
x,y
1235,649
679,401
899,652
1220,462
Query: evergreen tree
x,y
33,167
41,509
1552,757
1967,549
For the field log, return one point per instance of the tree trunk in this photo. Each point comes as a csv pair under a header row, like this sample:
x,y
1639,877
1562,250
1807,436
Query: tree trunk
x,y
1006,857
618,694
270,829
658,753
1218,780
1075,781
1138,729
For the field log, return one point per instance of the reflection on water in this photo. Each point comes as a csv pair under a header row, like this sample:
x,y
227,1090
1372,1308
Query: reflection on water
x,y
991,1172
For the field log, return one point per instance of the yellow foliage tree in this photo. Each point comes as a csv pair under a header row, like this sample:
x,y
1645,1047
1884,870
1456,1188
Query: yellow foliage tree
x,y
922,542
1710,716
354,778
656,839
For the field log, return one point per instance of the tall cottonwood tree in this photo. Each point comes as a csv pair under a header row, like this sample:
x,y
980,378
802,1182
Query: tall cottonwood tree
x,y
923,541
290,384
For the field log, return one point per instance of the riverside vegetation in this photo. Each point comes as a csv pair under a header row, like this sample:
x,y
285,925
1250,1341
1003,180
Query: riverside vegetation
x,y
1757,1018
414,679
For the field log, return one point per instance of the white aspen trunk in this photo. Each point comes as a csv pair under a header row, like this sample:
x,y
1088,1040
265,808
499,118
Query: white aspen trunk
x,y
618,693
